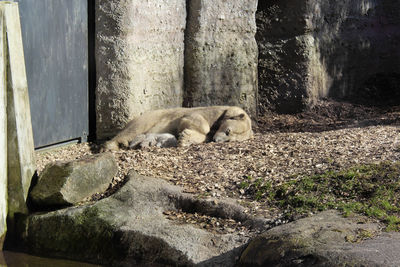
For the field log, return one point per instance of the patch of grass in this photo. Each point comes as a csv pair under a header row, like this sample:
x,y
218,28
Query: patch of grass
x,y
361,235
372,190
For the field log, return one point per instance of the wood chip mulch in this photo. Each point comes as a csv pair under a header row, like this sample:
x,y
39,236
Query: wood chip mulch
x,y
332,136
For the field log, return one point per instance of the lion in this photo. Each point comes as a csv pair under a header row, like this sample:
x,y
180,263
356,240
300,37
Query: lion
x,y
188,125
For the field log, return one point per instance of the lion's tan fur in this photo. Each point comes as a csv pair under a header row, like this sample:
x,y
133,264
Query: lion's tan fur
x,y
189,125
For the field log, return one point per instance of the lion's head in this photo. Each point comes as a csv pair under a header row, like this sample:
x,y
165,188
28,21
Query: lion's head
x,y
234,128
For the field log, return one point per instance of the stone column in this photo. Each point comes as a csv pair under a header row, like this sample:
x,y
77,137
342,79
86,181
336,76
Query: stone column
x,y
139,59
286,49
221,54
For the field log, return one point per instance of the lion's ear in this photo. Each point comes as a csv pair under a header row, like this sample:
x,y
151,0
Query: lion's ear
x,y
241,116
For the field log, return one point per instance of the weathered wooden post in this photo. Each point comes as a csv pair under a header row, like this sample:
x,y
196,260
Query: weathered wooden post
x,y
20,147
3,136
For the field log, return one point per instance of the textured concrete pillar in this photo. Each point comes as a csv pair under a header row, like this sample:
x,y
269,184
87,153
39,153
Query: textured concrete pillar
x,y
3,136
139,59
313,49
221,54
20,149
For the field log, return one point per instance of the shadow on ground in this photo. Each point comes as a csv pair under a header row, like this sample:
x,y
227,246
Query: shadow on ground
x,y
329,115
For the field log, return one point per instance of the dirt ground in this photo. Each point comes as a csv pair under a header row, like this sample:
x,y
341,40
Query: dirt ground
x,y
330,136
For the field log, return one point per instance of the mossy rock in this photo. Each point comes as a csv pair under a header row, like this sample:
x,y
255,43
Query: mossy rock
x,y
67,183
130,228
325,239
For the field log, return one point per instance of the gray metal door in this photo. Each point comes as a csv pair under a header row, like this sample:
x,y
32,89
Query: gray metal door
x,y
55,36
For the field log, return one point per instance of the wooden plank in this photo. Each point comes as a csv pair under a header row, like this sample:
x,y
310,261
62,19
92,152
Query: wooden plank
x,y
3,137
20,148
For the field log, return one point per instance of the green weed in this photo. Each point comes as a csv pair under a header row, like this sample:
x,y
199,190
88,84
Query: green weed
x,y
372,190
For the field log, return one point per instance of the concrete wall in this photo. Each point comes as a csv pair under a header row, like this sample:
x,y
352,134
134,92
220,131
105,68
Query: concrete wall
x,y
311,49
307,50
221,54
139,59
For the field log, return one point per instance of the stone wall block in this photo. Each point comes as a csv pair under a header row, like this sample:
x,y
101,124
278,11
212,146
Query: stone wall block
x,y
139,59
221,54
311,49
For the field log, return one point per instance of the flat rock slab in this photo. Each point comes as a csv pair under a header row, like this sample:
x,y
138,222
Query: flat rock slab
x,y
67,183
129,228
325,239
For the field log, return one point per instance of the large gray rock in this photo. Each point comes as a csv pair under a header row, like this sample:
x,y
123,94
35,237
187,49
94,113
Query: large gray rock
x,y
139,59
221,54
312,49
325,239
66,183
130,228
